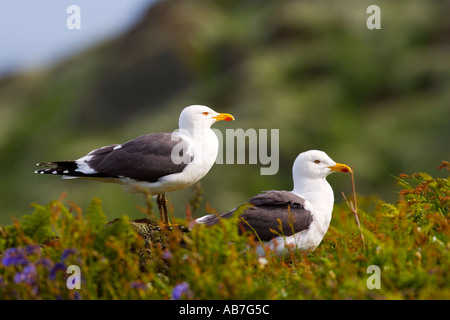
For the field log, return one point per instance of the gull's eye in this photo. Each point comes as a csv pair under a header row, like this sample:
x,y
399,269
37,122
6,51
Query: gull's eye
x,y
205,113
316,161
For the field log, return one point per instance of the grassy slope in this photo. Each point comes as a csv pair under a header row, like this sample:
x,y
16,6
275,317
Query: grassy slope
x,y
377,100
408,241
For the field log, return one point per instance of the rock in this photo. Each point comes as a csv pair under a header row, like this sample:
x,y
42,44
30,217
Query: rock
x,y
155,237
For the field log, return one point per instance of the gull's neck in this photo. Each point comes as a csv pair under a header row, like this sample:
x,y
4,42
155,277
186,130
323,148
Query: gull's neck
x,y
318,193
205,143
195,129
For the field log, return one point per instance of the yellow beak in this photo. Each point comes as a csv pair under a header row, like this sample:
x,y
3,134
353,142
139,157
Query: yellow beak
x,y
339,167
224,116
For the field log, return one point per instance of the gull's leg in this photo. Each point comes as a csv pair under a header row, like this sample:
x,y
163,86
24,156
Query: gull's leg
x,y
160,202
164,206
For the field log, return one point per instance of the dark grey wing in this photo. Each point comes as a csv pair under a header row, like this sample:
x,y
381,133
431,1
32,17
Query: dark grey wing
x,y
275,197
146,158
270,214
276,213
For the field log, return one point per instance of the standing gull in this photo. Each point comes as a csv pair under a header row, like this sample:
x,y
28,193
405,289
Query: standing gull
x,y
155,163
297,219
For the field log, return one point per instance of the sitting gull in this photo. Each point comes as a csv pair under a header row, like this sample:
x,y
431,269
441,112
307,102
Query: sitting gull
x,y
297,219
155,163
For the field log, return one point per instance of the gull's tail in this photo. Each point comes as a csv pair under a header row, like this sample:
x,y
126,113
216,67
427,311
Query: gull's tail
x,y
59,168
69,169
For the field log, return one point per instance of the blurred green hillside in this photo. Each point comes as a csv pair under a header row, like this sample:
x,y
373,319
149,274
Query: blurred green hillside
x,y
377,100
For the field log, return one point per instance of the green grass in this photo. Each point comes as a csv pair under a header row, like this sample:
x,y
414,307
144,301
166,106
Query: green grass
x,y
408,240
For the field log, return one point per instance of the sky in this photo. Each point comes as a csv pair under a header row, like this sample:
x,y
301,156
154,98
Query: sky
x,y
34,33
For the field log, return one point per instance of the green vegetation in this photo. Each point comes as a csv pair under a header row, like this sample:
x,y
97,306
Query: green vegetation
x,y
408,240
377,100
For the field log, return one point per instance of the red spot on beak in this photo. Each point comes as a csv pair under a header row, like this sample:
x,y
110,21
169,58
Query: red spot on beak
x,y
224,116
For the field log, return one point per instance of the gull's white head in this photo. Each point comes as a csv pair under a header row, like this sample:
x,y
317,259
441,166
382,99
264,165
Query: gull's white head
x,y
315,164
197,114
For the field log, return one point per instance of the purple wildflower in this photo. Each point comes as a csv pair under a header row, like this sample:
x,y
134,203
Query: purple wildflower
x,y
167,255
32,249
67,252
137,285
28,275
14,257
57,267
181,290
45,262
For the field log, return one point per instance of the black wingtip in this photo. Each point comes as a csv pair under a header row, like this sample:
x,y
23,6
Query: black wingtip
x,y
56,167
55,171
45,164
